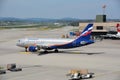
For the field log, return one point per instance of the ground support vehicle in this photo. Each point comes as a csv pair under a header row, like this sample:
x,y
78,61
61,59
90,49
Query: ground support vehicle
x,y
80,74
12,67
2,71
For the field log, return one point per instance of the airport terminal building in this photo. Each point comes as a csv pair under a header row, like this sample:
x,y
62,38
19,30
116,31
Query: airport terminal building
x,y
101,26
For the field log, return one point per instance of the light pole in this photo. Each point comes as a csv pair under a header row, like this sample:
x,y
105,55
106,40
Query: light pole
x,y
104,7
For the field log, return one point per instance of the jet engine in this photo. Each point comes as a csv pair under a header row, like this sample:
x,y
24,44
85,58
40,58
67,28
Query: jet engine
x,y
33,48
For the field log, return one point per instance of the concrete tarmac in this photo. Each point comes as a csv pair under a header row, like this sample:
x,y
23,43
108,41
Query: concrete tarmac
x,y
101,58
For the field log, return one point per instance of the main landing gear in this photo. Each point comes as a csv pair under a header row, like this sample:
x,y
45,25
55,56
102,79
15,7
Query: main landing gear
x,y
56,50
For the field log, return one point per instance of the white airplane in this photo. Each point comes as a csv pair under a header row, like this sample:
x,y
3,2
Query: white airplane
x,y
114,35
36,44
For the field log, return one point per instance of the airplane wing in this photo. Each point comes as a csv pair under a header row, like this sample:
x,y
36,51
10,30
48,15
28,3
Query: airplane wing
x,y
43,46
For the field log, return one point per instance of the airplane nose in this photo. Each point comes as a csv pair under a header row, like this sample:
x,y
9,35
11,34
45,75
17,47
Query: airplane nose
x,y
20,44
17,44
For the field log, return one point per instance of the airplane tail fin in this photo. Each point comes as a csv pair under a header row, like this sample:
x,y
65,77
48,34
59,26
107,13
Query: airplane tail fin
x,y
86,34
118,27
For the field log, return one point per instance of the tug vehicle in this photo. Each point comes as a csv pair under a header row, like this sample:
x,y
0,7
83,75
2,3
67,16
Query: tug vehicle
x,y
80,74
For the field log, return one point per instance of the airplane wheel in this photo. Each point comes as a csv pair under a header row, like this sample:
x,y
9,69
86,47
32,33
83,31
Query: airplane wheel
x,y
56,50
45,51
26,49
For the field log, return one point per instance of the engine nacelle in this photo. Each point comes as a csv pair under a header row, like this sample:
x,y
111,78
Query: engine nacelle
x,y
33,48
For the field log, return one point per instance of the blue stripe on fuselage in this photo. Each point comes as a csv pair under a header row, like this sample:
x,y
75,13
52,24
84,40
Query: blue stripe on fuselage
x,y
72,45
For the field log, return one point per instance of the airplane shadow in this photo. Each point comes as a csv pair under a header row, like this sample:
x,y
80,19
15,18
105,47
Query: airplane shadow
x,y
66,52
87,53
71,52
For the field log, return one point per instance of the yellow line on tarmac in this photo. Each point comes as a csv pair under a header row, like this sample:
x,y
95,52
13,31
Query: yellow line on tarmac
x,y
75,52
25,52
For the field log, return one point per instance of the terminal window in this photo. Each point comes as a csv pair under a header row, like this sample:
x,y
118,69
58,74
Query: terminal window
x,y
99,27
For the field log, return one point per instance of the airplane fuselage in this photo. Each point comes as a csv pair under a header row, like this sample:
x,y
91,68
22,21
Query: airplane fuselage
x,y
52,43
34,44
48,42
